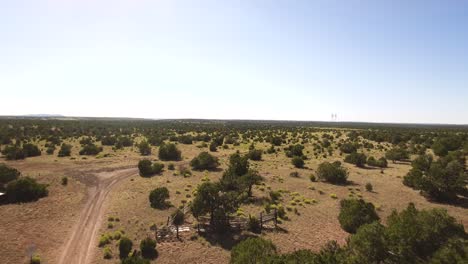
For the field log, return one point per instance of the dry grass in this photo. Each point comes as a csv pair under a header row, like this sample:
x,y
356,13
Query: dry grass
x,y
48,222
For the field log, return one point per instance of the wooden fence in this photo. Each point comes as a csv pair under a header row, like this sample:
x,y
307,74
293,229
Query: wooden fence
x,y
168,231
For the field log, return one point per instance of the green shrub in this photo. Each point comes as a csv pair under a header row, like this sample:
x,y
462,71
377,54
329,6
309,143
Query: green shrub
x,y
25,190
204,161
31,150
125,246
369,187
332,172
169,151
252,250
147,168
148,248
397,154
107,253
135,260
440,180
255,154
35,260
158,198
294,150
104,240
355,213
358,159
90,149
13,153
65,150
144,148
298,162
7,174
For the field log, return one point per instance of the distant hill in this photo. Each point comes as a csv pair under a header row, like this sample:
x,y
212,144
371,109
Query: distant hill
x,y
45,115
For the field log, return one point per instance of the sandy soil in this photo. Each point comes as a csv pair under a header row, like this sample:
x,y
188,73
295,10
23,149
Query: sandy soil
x,y
79,248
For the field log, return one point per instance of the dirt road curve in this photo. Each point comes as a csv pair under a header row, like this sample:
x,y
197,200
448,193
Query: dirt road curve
x,y
79,247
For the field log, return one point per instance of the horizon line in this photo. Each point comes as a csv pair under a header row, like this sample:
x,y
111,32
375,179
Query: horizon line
x,y
57,116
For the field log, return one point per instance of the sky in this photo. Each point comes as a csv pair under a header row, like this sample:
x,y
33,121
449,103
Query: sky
x,y
371,61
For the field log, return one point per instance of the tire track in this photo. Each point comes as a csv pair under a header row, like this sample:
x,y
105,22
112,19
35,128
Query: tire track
x,y
79,247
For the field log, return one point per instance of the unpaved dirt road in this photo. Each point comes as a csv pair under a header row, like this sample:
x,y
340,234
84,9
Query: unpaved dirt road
x,y
80,245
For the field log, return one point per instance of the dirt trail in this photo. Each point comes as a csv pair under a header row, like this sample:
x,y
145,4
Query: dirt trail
x,y
79,247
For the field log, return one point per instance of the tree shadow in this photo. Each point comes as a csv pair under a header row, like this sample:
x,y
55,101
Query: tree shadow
x,y
260,201
460,202
348,183
226,240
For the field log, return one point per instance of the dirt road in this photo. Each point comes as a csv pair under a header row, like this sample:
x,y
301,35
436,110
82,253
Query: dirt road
x,y
79,247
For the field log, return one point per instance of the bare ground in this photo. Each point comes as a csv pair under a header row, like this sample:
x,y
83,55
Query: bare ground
x,y
79,248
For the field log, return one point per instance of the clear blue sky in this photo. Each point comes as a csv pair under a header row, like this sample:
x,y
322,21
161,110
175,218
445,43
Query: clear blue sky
x,y
379,61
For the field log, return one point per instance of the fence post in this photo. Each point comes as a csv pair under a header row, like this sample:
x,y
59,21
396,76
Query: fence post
x,y
276,218
156,233
261,220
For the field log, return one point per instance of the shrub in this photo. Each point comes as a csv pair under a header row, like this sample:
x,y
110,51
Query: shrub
x,y
294,174
148,248
413,234
454,251
64,180
348,148
369,187
104,240
158,197
358,159
254,225
13,153
204,161
312,178
147,168
65,150
7,174
108,141
255,154
332,172
298,162
368,245
355,213
50,150
275,196
295,150
25,190
397,154
107,253
213,146
35,259
125,246
252,250
144,148
169,151
442,180
90,149
31,150
381,163
135,259
157,167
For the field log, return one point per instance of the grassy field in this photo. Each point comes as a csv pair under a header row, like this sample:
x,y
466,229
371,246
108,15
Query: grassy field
x,y
45,226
